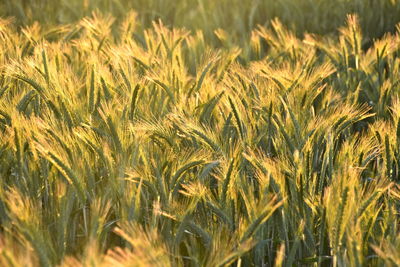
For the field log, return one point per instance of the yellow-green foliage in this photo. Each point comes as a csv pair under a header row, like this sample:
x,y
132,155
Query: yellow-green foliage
x,y
121,148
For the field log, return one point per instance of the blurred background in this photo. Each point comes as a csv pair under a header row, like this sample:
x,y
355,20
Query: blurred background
x,y
236,17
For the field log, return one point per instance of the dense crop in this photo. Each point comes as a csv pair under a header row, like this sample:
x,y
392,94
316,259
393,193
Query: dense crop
x,y
120,148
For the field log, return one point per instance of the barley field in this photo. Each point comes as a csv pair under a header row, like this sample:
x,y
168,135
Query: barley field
x,y
199,133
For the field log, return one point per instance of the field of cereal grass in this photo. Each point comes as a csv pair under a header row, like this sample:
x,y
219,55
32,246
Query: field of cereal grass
x,y
199,133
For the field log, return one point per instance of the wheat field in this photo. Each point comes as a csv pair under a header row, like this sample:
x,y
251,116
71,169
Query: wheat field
x,y
131,139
